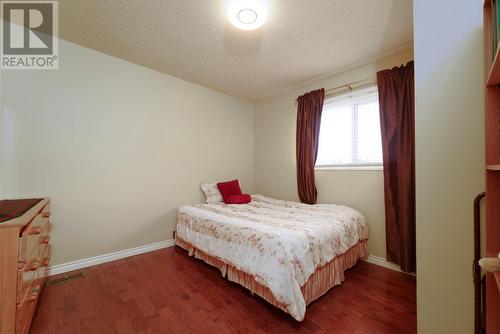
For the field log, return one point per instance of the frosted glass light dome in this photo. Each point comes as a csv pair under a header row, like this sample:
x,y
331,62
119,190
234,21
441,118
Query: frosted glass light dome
x,y
247,14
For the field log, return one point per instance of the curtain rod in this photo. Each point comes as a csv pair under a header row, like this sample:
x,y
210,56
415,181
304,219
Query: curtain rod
x,y
349,86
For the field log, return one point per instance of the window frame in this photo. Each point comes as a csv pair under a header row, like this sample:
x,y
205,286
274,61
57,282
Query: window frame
x,y
360,96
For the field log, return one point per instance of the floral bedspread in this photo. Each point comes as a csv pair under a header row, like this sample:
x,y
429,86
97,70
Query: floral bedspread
x,y
280,243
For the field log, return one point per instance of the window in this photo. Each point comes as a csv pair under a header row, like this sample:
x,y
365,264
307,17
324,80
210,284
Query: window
x,y
350,131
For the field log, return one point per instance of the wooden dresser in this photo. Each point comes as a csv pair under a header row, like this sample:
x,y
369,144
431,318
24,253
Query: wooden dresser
x,y
24,257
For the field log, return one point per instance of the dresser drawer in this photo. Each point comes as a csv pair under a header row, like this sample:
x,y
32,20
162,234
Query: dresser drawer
x,y
30,285
33,243
35,268
24,311
37,233
43,240
26,275
45,261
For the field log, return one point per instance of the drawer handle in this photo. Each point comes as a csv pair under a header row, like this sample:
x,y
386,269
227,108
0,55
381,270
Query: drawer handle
x,y
34,230
45,239
34,293
32,266
46,214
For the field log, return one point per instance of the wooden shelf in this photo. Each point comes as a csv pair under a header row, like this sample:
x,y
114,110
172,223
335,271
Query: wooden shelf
x,y
494,74
493,71
497,279
496,275
493,167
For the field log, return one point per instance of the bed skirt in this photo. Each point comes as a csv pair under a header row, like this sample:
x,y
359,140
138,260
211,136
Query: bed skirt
x,y
322,280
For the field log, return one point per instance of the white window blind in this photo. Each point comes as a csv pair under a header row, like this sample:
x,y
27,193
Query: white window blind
x,y
350,130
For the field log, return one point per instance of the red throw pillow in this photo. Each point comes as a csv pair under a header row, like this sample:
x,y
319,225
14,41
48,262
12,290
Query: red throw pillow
x,y
239,199
229,188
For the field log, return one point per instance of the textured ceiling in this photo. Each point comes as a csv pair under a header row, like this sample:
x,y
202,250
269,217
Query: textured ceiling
x,y
193,40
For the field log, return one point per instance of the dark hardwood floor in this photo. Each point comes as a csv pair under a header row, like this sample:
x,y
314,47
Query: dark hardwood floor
x,y
168,292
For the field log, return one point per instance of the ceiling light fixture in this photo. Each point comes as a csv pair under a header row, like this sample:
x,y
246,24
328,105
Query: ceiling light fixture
x,y
247,14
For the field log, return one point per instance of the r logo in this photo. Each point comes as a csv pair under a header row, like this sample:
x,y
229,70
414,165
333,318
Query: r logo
x,y
27,28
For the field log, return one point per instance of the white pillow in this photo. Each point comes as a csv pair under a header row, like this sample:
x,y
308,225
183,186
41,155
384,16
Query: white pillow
x,y
212,193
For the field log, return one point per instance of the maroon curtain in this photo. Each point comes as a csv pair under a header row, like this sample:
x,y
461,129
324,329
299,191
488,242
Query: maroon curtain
x,y
310,106
397,122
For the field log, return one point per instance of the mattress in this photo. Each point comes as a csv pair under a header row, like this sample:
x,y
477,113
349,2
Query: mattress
x,y
278,244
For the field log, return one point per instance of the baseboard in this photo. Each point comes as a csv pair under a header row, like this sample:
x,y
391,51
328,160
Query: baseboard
x,y
92,261
380,261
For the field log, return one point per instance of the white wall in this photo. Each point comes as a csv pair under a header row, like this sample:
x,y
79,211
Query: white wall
x,y
275,169
117,147
449,158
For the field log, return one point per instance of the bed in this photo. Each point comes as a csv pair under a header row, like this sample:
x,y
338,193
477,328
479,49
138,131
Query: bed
x,y
288,253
